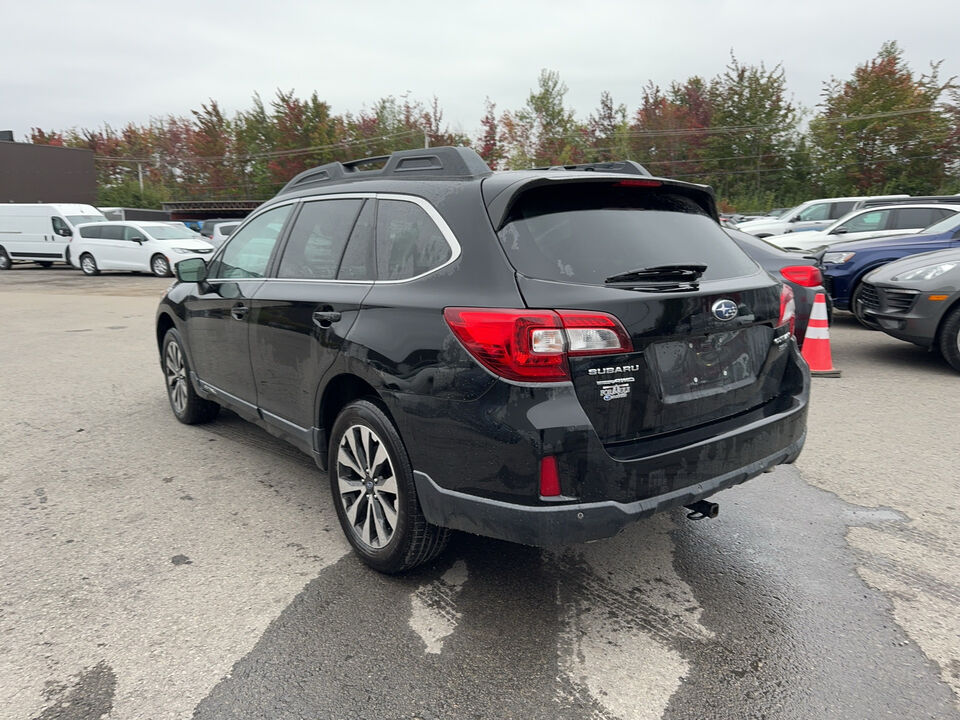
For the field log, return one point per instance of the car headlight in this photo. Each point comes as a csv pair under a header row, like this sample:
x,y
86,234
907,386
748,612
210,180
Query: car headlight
x,y
184,251
928,272
837,258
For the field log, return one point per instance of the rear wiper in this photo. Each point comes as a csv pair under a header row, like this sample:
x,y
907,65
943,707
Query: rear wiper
x,y
660,274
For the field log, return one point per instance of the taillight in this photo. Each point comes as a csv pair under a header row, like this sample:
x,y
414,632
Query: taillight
x,y
638,183
806,275
533,345
788,309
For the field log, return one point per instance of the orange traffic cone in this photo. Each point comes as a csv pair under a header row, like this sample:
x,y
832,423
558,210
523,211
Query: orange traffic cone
x,y
816,343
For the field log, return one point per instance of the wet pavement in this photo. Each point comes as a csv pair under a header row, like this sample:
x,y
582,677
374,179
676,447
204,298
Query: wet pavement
x,y
153,570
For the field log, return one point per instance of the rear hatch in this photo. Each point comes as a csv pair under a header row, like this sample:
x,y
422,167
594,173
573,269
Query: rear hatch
x,y
702,324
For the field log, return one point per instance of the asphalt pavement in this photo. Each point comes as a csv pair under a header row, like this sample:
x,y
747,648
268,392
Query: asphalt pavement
x,y
154,570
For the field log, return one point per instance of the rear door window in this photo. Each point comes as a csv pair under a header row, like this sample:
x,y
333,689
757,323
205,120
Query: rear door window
x,y
839,209
585,234
409,243
111,232
318,238
359,259
916,217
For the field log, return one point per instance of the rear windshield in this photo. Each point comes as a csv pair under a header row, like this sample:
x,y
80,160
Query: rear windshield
x,y
584,234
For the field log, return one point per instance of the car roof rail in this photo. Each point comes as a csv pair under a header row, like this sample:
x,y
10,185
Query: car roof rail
x,y
460,163
919,199
626,167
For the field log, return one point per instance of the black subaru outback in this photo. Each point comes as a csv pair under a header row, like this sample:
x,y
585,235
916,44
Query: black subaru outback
x,y
540,356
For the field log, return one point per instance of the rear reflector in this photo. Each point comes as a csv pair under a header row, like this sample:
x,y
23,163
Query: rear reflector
x,y
806,275
549,477
533,345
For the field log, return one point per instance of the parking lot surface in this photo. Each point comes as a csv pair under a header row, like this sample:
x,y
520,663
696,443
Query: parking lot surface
x,y
154,570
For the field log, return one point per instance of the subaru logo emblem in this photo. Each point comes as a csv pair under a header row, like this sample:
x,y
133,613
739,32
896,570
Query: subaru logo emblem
x,y
725,309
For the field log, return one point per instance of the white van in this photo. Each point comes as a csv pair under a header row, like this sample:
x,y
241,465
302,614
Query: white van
x,y
40,233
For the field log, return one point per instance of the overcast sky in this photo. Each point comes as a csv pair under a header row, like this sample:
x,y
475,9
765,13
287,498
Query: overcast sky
x,y
66,65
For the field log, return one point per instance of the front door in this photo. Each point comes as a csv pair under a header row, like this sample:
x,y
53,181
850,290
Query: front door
x,y
219,312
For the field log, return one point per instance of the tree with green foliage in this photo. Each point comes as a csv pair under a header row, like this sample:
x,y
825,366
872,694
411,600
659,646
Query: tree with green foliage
x,y
881,130
752,133
544,131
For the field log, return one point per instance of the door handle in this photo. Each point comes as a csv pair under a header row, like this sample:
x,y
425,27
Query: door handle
x,y
239,311
325,319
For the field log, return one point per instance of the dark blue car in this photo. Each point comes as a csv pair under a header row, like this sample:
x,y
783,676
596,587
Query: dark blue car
x,y
844,265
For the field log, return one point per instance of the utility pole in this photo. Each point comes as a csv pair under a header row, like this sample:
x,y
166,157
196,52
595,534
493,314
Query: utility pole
x,y
140,177
426,138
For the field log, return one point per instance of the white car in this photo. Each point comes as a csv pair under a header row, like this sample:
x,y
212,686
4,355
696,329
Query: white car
x,y
869,223
135,246
221,231
810,216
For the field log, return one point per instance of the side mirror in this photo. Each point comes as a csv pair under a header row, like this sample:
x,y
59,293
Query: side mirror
x,y
63,231
795,218
839,231
192,270
138,239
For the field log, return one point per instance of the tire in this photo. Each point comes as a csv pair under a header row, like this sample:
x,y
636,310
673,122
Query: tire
x,y
160,266
44,263
376,500
950,338
5,262
861,317
188,407
89,265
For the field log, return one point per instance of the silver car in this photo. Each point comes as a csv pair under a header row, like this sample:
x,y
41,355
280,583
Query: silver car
x,y
917,299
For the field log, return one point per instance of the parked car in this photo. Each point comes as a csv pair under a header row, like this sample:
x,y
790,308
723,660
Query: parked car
x,y
135,246
808,216
447,344
917,299
845,265
221,231
869,223
800,273
207,226
40,233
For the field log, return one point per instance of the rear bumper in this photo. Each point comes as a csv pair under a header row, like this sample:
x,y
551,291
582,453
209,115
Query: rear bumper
x,y
750,450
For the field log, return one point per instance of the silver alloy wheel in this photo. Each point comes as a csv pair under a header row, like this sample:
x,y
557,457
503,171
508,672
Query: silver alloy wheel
x,y
4,261
176,373
88,264
367,485
161,267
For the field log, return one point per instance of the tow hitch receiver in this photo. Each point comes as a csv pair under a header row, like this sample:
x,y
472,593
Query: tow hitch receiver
x,y
702,509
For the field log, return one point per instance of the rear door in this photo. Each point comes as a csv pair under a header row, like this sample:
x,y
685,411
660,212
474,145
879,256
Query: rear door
x,y
109,247
694,360
300,316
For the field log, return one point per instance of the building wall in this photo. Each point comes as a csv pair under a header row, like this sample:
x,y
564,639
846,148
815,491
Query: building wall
x,y
44,173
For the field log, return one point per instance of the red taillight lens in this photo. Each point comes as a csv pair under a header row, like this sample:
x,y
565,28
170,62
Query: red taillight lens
x,y
806,275
788,309
549,477
533,345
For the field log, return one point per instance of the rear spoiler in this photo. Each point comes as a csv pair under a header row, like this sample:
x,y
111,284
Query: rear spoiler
x,y
500,204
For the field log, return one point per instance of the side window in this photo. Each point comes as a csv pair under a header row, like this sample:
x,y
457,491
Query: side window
x,y
839,209
820,211
60,227
317,239
916,218
248,251
359,260
90,231
409,243
129,233
867,222
111,232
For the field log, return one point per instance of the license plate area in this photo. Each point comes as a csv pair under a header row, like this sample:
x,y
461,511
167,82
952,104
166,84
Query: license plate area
x,y
709,364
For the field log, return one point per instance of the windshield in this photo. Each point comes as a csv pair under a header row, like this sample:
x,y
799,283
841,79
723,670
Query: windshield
x,y
168,232
584,235
78,219
948,224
